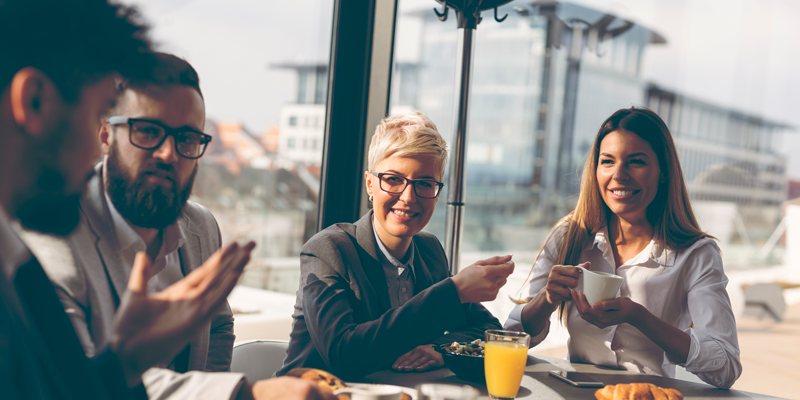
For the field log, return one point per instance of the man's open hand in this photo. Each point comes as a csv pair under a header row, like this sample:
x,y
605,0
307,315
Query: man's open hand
x,y
150,328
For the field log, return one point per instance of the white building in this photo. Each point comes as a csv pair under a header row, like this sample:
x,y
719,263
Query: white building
x,y
302,131
302,123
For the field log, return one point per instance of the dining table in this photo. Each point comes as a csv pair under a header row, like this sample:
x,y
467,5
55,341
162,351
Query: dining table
x,y
538,384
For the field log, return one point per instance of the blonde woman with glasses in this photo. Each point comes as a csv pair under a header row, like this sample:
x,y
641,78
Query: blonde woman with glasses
x,y
378,294
634,219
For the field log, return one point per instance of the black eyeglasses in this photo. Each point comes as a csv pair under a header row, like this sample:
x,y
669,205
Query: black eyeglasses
x,y
396,184
148,134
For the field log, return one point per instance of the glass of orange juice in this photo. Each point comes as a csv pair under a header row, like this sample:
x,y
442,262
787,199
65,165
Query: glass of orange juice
x,y
505,356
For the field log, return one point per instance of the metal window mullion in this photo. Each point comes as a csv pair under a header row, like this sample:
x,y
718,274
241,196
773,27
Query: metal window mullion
x,y
356,101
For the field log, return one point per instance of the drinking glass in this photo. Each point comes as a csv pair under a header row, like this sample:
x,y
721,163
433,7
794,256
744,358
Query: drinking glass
x,y
444,391
505,356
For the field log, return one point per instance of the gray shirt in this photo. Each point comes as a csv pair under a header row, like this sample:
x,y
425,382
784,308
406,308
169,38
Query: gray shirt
x,y
399,276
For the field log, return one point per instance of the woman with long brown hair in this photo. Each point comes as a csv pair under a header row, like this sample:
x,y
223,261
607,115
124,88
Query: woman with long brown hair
x,y
634,219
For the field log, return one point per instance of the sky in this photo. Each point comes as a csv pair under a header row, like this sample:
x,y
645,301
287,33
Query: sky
x,y
741,54
232,45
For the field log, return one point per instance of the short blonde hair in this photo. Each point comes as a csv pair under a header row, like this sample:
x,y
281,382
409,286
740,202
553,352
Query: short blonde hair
x,y
412,134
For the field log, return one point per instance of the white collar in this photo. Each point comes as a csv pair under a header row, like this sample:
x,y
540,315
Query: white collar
x,y
653,251
392,259
127,237
13,251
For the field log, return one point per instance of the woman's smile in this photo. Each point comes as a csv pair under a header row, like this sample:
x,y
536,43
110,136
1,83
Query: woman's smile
x,y
628,174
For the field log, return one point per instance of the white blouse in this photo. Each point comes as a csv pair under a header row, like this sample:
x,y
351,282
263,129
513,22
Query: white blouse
x,y
680,287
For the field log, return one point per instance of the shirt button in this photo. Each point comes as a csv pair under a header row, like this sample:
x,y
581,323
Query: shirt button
x,y
403,290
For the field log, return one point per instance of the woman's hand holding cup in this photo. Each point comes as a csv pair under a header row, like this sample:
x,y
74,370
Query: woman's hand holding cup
x,y
607,313
481,281
561,280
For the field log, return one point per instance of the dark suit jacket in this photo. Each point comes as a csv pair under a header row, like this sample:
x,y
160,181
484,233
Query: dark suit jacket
x,y
343,319
35,367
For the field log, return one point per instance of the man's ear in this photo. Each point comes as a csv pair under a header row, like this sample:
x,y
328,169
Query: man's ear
x,y
35,101
104,136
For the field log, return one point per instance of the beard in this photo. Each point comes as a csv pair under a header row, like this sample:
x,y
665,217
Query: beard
x,y
50,210
51,205
142,203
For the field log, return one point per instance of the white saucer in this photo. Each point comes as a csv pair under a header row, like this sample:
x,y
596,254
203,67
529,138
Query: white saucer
x,y
409,391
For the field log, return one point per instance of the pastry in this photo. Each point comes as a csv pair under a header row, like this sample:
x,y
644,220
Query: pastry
x,y
637,391
326,380
323,379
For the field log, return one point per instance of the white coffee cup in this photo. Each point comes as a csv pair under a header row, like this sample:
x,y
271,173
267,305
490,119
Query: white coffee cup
x,y
372,392
598,286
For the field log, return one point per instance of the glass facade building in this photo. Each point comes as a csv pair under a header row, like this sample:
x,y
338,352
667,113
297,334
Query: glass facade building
x,y
542,85
726,155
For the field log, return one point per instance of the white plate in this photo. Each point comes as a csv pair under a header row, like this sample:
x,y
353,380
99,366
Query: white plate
x,y
409,391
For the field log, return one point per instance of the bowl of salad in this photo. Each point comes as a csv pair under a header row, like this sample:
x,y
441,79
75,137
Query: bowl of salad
x,y
465,359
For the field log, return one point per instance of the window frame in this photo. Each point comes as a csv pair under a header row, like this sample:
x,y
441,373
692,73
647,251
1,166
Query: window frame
x,y
359,82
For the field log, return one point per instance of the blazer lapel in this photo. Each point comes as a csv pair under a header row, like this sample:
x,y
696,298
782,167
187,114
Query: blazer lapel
x,y
422,275
37,362
98,216
368,254
192,253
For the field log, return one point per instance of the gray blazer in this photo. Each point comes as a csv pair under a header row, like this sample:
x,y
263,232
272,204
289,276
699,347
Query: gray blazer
x,y
87,272
343,320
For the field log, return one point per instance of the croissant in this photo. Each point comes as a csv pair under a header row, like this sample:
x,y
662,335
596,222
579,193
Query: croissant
x,y
637,391
324,379
327,381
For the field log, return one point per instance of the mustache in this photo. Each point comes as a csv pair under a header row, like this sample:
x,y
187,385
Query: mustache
x,y
160,169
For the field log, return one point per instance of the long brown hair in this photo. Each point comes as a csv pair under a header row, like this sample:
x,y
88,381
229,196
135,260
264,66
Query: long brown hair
x,y
670,213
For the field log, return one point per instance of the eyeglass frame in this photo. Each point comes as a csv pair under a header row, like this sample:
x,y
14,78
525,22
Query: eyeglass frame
x,y
205,139
408,181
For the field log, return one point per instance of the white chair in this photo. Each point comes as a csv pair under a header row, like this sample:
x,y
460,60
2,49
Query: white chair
x,y
258,359
765,299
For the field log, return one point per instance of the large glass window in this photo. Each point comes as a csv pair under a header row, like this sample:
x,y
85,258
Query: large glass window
x,y
263,72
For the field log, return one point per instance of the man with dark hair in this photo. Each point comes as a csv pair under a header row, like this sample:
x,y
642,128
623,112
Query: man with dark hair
x,y
55,84
55,75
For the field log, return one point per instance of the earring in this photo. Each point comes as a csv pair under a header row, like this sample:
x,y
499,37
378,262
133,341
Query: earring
x,y
371,199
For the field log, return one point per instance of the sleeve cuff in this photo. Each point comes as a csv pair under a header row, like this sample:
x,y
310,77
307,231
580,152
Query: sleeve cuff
x,y
451,293
514,323
164,384
705,353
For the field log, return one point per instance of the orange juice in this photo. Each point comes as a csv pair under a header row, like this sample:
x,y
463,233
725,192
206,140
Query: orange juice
x,y
504,363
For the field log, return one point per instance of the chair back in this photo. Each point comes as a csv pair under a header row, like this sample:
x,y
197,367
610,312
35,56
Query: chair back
x,y
765,299
258,359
